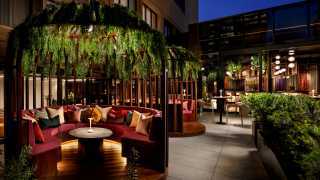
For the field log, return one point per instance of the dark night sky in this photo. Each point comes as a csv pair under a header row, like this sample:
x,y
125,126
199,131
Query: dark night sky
x,y
212,9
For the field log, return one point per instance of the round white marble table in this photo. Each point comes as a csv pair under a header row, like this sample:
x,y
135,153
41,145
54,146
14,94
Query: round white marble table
x,y
90,144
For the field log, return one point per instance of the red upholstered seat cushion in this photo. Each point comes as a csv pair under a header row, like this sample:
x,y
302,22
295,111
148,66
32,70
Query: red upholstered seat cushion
x,y
188,115
117,129
64,128
132,135
39,137
50,132
50,144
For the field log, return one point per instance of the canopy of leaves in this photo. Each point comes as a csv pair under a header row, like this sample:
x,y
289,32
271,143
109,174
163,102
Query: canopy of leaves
x,y
182,62
89,36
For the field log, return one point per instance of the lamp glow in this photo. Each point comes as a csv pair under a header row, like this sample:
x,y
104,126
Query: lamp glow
x,y
277,62
291,52
90,28
90,130
291,59
291,65
278,57
277,67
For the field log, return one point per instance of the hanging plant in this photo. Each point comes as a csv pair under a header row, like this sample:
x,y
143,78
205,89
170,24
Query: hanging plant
x,y
116,34
235,69
212,76
255,63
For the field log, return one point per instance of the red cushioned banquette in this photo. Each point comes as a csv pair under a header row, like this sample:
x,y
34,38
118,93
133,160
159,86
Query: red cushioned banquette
x,y
148,146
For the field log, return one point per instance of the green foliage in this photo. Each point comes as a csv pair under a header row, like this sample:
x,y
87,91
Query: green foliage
x,y
255,63
20,168
187,64
133,159
291,128
118,35
212,76
234,68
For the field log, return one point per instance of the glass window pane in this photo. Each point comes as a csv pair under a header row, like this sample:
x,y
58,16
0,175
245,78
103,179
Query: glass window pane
x,y
148,17
143,12
132,4
1,104
154,20
124,3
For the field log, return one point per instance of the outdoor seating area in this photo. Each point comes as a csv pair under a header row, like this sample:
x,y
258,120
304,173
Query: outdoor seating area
x,y
146,89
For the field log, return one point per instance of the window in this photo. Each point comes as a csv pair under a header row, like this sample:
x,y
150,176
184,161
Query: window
x,y
181,4
121,2
169,29
131,4
149,16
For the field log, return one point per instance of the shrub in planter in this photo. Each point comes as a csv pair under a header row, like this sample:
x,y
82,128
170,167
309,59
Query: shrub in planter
x,y
20,168
291,129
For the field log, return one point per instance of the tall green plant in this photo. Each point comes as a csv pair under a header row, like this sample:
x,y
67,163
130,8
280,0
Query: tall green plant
x,y
20,168
291,128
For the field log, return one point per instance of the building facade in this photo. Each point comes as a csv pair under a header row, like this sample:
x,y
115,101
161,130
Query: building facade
x,y
274,49
166,16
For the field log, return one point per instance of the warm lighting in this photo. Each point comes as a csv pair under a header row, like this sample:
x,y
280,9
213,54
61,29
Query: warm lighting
x,y
90,130
278,57
291,65
202,69
291,59
229,73
291,52
280,71
90,28
277,62
278,67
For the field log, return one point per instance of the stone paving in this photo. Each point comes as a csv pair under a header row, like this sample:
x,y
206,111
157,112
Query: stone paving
x,y
224,152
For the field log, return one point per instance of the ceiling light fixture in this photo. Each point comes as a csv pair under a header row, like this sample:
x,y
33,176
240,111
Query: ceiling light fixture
x,y
291,65
291,52
278,67
277,62
291,59
278,57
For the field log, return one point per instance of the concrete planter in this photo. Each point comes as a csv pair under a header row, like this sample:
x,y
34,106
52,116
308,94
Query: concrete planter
x,y
269,160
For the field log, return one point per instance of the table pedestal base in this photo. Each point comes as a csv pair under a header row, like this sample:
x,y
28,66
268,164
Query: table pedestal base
x,y
91,149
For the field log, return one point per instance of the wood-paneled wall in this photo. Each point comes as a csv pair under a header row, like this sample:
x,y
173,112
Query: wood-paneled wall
x,y
4,35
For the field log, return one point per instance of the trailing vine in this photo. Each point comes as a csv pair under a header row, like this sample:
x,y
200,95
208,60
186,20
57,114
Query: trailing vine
x,y
82,37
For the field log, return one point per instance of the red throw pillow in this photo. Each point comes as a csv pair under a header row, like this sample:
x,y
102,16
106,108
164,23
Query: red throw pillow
x,y
115,116
124,113
38,133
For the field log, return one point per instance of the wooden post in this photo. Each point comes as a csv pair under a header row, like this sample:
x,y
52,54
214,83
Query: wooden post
x,y
164,102
130,92
42,91
196,100
144,93
150,91
34,90
138,95
175,120
157,92
27,92
59,86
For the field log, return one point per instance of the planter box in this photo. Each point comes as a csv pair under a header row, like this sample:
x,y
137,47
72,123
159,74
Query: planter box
x,y
256,127
269,160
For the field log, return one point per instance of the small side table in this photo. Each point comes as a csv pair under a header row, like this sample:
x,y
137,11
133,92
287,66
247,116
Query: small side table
x,y
220,102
